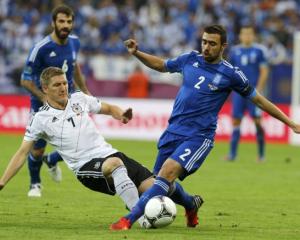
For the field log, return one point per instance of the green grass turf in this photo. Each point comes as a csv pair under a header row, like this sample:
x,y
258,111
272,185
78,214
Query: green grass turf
x,y
243,199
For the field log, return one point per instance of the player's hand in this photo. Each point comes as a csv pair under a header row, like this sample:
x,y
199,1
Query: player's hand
x,y
296,128
131,45
127,116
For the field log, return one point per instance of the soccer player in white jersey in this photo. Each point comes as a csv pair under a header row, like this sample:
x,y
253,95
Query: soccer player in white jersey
x,y
65,122
58,49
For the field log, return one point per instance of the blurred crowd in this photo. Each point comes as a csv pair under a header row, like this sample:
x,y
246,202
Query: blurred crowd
x,y
162,27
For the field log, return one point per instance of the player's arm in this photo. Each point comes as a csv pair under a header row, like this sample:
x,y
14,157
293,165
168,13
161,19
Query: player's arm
x,y
150,61
116,112
263,77
79,79
274,111
31,87
16,162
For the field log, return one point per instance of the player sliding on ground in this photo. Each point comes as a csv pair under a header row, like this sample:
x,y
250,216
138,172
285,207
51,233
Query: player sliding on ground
x,y
207,82
65,122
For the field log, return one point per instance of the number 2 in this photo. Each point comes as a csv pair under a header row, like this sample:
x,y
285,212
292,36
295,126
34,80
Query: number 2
x,y
187,152
201,80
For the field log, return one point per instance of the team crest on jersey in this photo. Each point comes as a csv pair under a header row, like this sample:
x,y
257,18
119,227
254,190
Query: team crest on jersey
x,y
215,82
217,79
76,108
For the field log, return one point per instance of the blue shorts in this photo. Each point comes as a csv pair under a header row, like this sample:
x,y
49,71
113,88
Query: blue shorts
x,y
241,104
189,152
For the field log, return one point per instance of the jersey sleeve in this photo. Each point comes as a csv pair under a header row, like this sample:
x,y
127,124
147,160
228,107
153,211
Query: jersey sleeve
x,y
32,64
176,64
94,103
241,84
34,130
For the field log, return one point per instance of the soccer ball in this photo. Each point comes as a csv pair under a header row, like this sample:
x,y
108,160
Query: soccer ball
x,y
160,211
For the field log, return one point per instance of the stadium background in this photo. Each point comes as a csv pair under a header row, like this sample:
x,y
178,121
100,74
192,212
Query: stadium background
x,y
243,200
165,28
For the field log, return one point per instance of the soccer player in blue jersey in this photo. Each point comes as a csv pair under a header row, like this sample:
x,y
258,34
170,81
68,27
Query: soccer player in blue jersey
x,y
251,58
207,82
59,49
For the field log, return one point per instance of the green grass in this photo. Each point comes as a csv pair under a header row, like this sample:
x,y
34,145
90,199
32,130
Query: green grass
x,y
243,199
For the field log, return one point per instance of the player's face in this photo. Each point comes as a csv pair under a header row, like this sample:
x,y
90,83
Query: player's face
x,y
247,36
212,49
63,25
57,91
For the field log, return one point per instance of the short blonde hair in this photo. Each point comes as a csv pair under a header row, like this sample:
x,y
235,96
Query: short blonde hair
x,y
49,73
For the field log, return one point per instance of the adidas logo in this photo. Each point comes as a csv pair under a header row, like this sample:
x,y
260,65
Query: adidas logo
x,y
52,54
196,64
54,119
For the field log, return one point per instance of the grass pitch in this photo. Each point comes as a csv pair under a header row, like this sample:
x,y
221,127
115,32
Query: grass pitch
x,y
243,199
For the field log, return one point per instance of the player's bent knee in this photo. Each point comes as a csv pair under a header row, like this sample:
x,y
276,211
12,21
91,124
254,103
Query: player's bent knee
x,y
110,164
36,153
145,185
170,170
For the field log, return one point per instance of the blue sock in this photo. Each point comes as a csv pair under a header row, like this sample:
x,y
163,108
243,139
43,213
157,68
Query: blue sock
x,y
34,166
160,187
179,196
260,137
235,138
53,158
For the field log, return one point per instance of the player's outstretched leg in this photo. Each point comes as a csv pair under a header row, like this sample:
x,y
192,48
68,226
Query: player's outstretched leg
x,y
124,186
190,203
160,187
54,170
34,166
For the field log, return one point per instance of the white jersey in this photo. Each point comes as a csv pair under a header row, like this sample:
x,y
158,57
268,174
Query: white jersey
x,y
71,131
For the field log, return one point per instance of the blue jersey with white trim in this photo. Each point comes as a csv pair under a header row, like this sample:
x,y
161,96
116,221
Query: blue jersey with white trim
x,y
204,90
48,53
249,60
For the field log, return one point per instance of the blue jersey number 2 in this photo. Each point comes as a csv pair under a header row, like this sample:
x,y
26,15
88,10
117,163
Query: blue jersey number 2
x,y
201,80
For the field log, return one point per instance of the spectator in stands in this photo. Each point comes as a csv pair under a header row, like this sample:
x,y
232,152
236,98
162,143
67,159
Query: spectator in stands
x,y
138,84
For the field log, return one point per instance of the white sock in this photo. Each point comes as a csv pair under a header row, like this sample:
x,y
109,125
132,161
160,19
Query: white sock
x,y
124,186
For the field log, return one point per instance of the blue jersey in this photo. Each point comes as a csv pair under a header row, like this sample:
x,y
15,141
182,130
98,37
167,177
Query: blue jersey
x,y
249,60
47,53
203,92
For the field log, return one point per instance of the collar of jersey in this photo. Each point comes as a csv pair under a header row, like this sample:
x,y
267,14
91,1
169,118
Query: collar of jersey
x,y
57,108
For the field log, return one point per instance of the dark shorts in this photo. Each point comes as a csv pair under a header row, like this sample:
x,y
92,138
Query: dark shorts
x,y
91,176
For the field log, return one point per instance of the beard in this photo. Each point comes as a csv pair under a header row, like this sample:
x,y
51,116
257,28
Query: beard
x,y
210,58
62,33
